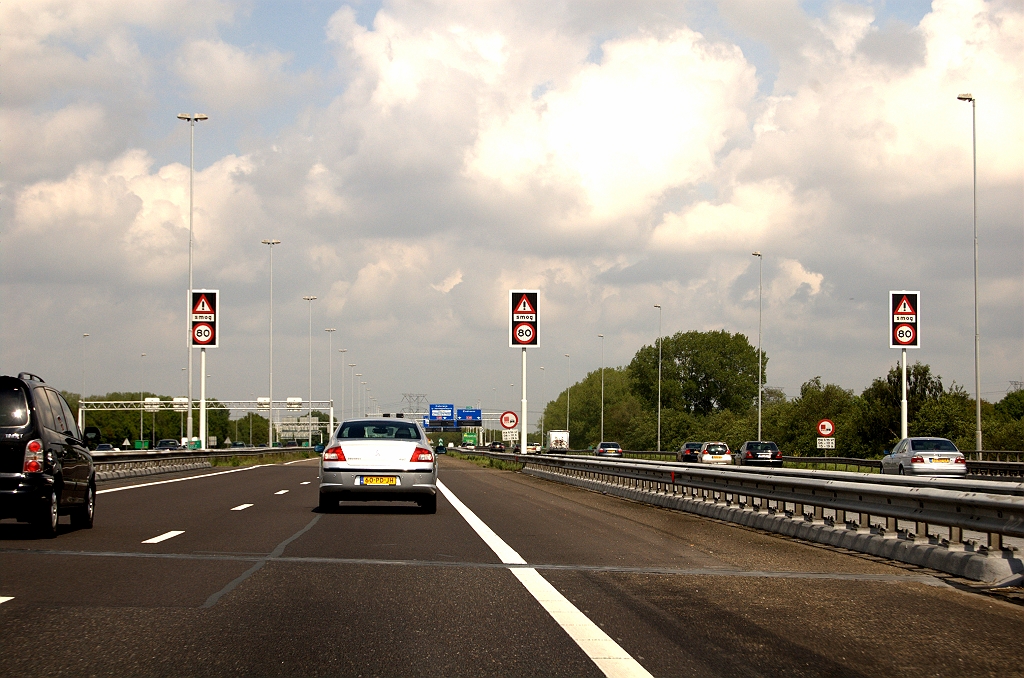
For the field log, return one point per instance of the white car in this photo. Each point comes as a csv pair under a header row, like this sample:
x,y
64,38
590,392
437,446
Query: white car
x,y
715,453
925,457
379,460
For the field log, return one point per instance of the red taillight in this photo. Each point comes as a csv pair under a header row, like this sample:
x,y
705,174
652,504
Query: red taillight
x,y
33,457
749,455
917,460
960,460
422,454
334,453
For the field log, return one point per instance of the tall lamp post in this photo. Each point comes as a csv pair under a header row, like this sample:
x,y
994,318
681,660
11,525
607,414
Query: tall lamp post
x,y
352,393
568,387
192,119
342,351
309,422
760,261
330,375
542,411
270,418
601,337
142,396
977,332
658,306
81,398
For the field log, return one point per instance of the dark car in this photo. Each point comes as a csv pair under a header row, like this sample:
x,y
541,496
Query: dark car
x,y
168,444
496,446
689,452
440,449
46,470
759,453
608,450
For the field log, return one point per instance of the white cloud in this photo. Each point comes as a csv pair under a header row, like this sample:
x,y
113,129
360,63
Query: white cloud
x,y
226,77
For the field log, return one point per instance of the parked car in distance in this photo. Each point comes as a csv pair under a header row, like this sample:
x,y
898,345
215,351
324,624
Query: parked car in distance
x,y
607,449
440,449
534,448
46,470
689,452
107,447
292,443
168,444
925,457
238,443
715,453
496,446
759,453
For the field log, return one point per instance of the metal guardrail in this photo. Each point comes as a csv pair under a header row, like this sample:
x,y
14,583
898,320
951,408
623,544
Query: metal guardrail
x,y
804,497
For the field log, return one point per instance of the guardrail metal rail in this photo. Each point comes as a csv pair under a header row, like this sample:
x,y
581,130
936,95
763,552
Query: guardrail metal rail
x,y
865,509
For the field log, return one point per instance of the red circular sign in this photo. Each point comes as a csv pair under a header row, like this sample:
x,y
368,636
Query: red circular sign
x,y
523,333
904,334
826,428
509,419
202,334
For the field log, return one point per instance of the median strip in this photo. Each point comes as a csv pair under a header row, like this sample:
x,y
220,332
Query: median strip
x,y
164,537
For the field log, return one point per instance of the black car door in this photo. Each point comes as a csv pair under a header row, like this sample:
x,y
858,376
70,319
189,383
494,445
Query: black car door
x,y
77,449
63,452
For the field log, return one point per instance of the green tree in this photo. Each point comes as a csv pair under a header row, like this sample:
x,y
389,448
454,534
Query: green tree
x,y
879,421
702,372
797,429
1012,405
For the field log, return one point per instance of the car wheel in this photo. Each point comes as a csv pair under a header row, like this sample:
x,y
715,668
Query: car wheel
x,y
82,517
428,504
327,502
49,514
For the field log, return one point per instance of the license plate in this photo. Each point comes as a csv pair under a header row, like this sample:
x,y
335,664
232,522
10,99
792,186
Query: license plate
x,y
764,456
716,456
938,460
380,480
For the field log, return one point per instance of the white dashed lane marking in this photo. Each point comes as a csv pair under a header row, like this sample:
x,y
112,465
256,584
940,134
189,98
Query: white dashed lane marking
x,y
164,537
241,507
4,599
281,492
305,483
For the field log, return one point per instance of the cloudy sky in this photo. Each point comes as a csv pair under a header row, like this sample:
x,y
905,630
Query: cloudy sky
x,y
419,159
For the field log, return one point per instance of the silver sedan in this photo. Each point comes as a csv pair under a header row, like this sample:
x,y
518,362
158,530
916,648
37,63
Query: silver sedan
x,y
379,460
925,457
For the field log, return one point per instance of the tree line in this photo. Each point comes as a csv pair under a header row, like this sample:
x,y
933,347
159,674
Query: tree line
x,y
709,392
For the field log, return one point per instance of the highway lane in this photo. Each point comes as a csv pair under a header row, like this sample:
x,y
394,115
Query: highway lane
x,y
385,590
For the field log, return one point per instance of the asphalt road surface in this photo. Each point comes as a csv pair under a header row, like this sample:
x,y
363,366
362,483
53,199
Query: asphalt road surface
x,y
237,573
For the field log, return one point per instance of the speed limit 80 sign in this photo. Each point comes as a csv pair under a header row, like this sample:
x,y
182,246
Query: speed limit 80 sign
x,y
205,315
523,319
904,314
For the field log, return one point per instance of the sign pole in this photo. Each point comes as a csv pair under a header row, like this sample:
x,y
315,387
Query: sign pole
x,y
903,402
522,422
202,398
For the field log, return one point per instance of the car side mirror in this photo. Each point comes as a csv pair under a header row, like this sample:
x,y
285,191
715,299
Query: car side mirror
x,y
885,453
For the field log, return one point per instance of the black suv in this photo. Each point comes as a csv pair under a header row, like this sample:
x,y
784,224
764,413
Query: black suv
x,y
45,468
758,453
689,452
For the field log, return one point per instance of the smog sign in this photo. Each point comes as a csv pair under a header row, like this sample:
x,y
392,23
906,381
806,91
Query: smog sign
x,y
205,318
523,319
904,313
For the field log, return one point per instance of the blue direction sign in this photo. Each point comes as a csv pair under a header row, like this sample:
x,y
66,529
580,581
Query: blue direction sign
x,y
442,414
469,417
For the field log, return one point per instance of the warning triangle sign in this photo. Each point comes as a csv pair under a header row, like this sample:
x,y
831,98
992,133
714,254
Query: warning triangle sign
x,y
524,306
905,308
202,306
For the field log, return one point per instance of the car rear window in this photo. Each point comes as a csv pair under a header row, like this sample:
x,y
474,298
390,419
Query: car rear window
x,y
693,446
933,446
13,405
386,430
762,447
716,449
610,446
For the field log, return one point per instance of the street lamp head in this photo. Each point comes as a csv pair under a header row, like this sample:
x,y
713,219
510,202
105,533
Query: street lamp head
x,y
194,116
601,335
755,254
330,329
85,334
271,242
965,97
657,306
309,298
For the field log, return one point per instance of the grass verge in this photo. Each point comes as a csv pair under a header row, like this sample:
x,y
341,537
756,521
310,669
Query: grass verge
x,y
486,462
269,458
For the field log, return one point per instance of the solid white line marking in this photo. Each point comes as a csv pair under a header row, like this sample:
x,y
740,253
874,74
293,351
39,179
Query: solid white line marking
x,y
298,461
305,483
281,492
241,507
4,599
180,480
164,537
602,650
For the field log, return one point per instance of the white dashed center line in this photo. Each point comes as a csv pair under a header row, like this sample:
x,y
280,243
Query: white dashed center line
x,y
4,599
281,492
164,537
305,483
241,507
608,655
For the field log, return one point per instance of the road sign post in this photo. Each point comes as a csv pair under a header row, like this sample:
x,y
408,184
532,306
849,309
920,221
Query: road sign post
x,y
523,325
904,307
205,334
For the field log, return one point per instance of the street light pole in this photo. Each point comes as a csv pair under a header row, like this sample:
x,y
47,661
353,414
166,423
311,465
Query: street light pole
x,y
760,261
542,411
270,418
191,118
309,422
977,331
601,336
352,393
568,387
81,398
658,306
142,396
330,374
